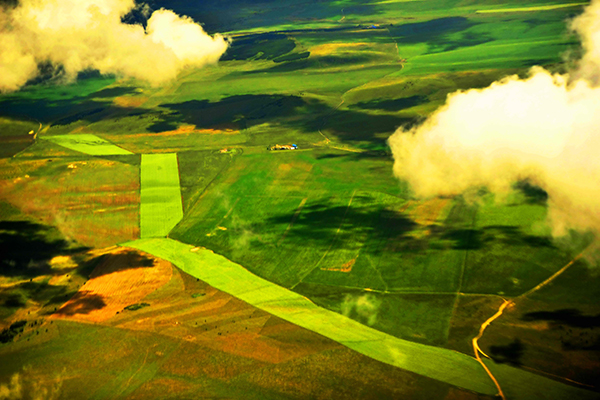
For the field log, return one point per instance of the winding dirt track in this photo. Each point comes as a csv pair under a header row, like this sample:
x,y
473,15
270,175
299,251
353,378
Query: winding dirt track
x,y
509,303
478,350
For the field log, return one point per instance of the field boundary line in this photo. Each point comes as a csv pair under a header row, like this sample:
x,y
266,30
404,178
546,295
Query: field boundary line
x,y
547,7
510,303
558,376
332,242
434,362
478,350
445,365
294,218
461,278
553,277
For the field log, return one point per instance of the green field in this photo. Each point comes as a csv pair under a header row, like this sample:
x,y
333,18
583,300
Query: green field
x,y
232,278
87,144
160,201
440,364
324,236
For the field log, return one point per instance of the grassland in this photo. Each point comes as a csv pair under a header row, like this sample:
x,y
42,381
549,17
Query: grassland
x,y
160,195
191,340
88,144
327,222
16,135
446,366
57,192
234,279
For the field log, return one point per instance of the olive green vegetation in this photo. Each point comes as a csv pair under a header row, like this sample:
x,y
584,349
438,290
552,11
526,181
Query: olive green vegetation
x,y
15,136
329,221
444,365
160,202
534,8
26,274
312,221
232,278
198,169
88,144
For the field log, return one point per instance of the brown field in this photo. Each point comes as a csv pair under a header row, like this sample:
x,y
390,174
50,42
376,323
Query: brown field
x,y
427,212
64,193
331,48
192,341
123,278
130,101
346,267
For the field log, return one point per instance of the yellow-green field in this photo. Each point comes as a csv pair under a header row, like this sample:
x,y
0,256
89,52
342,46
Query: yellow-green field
x,y
88,144
312,273
160,195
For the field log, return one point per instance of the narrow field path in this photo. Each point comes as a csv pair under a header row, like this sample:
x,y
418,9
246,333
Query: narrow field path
x,y
478,350
507,304
441,364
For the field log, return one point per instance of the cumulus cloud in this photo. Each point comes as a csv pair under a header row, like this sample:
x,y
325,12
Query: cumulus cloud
x,y
79,35
544,129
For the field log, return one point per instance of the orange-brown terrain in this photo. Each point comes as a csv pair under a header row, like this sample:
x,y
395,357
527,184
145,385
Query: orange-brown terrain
x,y
65,193
192,341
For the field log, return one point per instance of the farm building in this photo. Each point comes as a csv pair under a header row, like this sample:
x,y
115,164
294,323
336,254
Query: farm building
x,y
283,147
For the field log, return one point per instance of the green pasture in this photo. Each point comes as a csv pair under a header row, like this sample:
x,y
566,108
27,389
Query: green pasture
x,y
532,8
160,208
330,224
88,144
421,318
444,365
511,249
198,169
279,213
12,127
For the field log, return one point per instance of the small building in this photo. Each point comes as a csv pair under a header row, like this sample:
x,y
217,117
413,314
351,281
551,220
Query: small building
x,y
283,147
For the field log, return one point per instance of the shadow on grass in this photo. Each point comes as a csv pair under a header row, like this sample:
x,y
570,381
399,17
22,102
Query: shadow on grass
x,y
357,156
391,105
84,302
110,263
321,222
235,112
301,114
64,111
26,248
568,316
532,193
508,354
261,46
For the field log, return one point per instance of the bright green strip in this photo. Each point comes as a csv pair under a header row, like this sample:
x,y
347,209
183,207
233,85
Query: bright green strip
x,y
160,208
441,364
88,144
534,8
